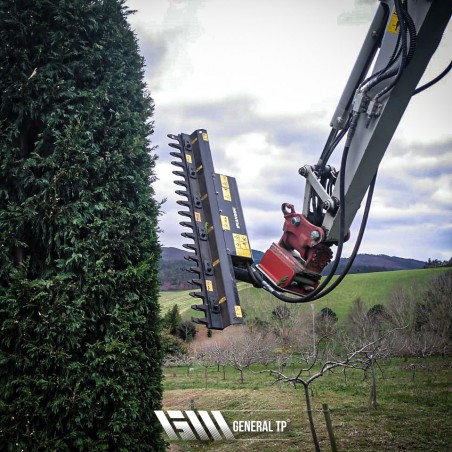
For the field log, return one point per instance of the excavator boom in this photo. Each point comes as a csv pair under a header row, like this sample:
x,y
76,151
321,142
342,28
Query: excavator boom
x,y
401,39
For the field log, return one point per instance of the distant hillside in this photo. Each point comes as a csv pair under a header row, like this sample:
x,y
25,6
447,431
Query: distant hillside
x,y
370,263
173,274
371,288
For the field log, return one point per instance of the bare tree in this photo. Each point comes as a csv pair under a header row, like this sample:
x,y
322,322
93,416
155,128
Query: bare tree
x,y
427,315
204,357
242,350
283,320
181,359
360,358
382,347
219,354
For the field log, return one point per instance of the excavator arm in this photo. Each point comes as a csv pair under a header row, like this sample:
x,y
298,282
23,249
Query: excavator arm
x,y
398,46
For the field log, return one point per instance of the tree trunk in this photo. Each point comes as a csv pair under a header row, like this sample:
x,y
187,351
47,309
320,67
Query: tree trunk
x,y
311,418
18,256
373,387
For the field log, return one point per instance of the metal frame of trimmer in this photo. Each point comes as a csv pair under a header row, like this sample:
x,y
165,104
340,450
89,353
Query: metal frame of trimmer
x,y
220,241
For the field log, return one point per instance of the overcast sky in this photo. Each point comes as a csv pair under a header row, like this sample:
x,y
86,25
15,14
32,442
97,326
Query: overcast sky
x,y
264,78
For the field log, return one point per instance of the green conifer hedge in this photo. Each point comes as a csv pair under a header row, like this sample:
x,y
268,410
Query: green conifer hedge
x,y
80,351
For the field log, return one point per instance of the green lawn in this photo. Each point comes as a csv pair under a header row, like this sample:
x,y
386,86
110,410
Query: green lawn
x,y
413,413
414,395
372,288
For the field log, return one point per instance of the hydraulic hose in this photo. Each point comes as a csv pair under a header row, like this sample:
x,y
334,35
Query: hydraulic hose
x,y
359,238
435,80
399,10
317,292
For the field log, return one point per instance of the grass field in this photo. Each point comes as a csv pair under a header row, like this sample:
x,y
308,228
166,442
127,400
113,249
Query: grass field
x,y
414,395
372,288
413,414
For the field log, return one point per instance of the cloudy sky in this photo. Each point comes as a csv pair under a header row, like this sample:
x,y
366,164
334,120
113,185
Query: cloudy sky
x,y
264,79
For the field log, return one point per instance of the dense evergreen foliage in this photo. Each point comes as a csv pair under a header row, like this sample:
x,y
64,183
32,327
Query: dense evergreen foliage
x,y
80,352
172,319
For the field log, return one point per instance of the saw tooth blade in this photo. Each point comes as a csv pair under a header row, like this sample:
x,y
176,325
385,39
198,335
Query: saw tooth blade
x,y
200,321
196,270
185,213
182,193
182,183
199,307
190,246
192,257
179,173
196,282
188,235
174,145
177,154
183,203
179,164
173,137
187,224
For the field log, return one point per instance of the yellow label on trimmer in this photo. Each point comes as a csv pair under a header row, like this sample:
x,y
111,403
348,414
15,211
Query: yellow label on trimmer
x,y
238,311
225,222
209,285
205,137
188,157
225,188
198,217
242,247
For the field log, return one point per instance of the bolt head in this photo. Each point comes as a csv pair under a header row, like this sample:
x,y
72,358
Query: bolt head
x,y
315,235
295,221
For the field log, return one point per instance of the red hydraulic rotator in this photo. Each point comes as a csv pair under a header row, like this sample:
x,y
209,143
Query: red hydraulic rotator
x,y
296,262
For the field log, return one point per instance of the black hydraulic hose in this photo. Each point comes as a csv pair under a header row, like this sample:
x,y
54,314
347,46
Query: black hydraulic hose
x,y
258,281
383,74
357,243
255,276
411,31
331,138
380,29
405,23
313,295
403,62
435,80
335,143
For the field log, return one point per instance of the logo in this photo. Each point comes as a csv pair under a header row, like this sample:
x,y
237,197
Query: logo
x,y
236,217
194,425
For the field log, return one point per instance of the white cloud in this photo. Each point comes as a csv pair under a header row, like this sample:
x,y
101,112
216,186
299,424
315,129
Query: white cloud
x,y
264,79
